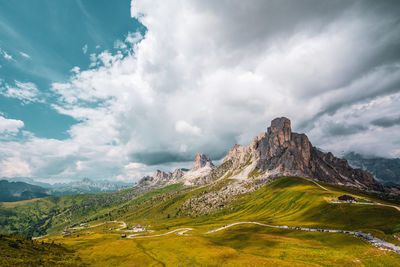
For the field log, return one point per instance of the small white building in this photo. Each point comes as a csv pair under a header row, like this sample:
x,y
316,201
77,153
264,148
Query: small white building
x,y
138,228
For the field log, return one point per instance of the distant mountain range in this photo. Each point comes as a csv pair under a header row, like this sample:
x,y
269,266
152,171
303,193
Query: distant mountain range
x,y
86,186
15,191
385,170
21,190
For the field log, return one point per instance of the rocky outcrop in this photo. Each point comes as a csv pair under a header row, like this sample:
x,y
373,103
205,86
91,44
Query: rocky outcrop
x,y
160,178
201,161
201,167
280,152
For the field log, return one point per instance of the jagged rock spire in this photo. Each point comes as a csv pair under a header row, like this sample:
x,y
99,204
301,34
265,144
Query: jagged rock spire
x,y
201,161
281,128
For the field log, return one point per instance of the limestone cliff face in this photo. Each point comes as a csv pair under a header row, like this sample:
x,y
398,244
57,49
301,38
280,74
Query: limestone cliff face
x,y
201,168
201,161
280,152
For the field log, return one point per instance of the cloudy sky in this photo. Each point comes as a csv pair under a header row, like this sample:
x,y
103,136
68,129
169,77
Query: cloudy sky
x,y
116,89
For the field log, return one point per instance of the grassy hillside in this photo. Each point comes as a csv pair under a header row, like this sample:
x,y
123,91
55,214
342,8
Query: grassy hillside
x,y
16,191
22,251
243,245
52,214
286,201
295,201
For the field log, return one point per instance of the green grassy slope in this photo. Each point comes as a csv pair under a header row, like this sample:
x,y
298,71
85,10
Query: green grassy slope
x,y
52,214
285,201
295,201
22,251
243,245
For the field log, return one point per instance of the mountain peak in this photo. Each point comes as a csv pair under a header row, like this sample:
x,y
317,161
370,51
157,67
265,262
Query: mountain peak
x,y
201,161
280,123
281,127
280,152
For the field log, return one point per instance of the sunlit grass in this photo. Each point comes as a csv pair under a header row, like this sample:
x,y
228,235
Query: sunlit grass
x,y
286,201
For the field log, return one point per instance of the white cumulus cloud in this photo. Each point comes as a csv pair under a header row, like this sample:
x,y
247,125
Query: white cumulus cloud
x,y
10,125
209,74
14,167
186,128
25,91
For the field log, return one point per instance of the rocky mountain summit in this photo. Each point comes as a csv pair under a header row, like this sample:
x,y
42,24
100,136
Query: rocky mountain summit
x,y
281,152
201,161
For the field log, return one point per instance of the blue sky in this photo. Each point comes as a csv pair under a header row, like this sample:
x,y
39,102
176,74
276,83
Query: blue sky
x,y
117,89
46,39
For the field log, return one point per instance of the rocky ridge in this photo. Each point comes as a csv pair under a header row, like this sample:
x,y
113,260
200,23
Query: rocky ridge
x,y
86,186
281,152
385,170
201,167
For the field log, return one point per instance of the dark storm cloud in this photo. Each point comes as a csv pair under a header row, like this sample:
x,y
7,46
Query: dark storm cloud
x,y
162,157
386,122
386,85
245,23
343,129
159,157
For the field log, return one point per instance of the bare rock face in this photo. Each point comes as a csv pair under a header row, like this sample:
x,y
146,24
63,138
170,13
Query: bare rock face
x,y
280,152
202,166
160,178
201,161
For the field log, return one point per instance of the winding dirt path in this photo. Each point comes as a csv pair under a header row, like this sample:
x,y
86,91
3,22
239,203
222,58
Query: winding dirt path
x,y
368,237
180,231
233,224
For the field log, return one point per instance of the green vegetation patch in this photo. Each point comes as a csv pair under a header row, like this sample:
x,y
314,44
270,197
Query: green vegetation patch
x,y
23,251
254,173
